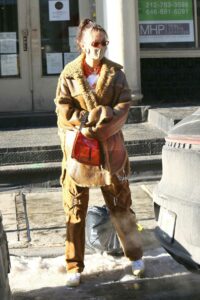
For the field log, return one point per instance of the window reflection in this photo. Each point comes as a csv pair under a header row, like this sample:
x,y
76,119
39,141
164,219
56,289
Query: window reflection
x,y
9,45
198,20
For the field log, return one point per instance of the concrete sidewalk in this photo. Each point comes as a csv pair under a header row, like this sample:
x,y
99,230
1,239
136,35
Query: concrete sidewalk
x,y
35,222
31,158
105,277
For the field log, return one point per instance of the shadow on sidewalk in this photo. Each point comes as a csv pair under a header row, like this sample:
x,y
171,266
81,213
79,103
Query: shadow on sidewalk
x,y
164,279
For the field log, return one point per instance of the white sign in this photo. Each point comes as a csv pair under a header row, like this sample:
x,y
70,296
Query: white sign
x,y
69,57
166,31
59,10
9,65
8,42
54,63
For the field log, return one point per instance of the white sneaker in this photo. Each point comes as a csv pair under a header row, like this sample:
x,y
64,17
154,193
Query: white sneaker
x,y
138,267
73,279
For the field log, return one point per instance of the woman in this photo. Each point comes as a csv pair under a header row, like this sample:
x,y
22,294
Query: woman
x,y
95,89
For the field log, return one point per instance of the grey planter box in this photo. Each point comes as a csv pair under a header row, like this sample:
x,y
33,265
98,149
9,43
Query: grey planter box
x,y
177,196
5,293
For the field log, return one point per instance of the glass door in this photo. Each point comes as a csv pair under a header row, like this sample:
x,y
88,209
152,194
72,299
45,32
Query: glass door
x,y
37,38
53,41
15,83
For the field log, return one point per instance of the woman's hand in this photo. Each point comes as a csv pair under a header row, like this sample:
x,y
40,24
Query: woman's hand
x,y
99,115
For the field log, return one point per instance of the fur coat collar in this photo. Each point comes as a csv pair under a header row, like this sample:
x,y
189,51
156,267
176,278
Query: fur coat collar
x,y
74,71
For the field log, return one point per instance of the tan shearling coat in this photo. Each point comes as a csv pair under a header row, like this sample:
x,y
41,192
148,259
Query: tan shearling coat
x,y
108,108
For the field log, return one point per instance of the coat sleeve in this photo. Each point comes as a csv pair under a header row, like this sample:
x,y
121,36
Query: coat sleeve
x,y
105,129
68,114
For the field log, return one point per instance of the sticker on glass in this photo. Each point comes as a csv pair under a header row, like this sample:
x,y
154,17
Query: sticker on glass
x,y
59,10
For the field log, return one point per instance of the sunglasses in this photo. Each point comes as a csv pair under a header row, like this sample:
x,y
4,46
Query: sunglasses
x,y
96,44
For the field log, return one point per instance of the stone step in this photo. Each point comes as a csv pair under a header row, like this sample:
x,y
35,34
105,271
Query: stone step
x,y
165,118
34,120
143,139
145,167
27,120
46,175
42,145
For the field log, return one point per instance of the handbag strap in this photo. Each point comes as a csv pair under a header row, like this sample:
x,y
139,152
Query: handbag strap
x,y
83,120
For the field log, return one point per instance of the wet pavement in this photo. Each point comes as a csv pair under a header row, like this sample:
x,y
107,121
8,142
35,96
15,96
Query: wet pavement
x,y
167,288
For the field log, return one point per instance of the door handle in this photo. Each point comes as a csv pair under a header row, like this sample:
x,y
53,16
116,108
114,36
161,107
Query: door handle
x,y
25,39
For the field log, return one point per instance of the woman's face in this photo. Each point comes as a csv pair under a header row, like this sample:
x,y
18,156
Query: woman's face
x,y
94,45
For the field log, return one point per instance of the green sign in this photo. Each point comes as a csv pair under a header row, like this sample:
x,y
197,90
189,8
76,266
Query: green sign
x,y
156,10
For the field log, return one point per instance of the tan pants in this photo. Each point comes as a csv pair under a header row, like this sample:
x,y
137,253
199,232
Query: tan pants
x,y
117,197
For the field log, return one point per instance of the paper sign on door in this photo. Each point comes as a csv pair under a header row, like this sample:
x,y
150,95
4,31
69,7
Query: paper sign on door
x,y
8,42
9,65
59,10
54,63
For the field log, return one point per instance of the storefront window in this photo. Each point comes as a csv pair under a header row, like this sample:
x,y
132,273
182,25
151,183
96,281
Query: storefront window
x,y
9,46
167,24
198,21
59,21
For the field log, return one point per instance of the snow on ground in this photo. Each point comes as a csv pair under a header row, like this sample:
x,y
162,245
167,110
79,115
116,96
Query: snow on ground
x,y
34,273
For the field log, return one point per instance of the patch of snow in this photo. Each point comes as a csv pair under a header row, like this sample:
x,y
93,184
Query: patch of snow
x,y
32,273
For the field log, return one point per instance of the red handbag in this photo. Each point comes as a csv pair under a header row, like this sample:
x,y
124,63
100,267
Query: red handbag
x,y
86,150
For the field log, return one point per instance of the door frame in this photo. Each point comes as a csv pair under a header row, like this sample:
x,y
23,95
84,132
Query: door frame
x,y
31,91
44,87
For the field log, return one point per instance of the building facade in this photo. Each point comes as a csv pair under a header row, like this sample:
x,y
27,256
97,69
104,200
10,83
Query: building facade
x,y
170,50
157,42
